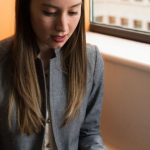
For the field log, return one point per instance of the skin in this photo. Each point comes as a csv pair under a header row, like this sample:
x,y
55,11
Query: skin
x,y
54,21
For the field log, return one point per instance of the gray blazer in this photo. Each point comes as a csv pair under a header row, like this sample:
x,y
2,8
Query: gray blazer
x,y
83,132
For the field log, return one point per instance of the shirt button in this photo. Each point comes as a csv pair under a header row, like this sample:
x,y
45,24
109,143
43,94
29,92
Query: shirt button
x,y
48,121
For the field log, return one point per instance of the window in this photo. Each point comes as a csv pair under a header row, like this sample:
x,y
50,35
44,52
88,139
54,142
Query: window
x,y
123,18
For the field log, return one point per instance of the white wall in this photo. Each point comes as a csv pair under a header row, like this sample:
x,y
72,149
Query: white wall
x,y
126,112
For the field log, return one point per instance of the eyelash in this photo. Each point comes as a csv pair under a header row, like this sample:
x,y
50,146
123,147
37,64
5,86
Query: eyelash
x,y
73,13
46,13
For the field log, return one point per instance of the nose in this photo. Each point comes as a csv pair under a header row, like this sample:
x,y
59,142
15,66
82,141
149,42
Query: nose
x,y
62,23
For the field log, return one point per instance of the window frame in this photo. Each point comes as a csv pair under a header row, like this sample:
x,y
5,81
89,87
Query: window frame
x,y
130,34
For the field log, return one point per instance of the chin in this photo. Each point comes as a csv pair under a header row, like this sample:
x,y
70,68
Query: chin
x,y
57,46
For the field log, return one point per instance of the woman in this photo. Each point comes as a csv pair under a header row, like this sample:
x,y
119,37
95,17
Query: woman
x,y
51,83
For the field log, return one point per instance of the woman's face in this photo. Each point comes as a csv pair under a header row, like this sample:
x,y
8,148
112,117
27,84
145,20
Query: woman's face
x,y
54,21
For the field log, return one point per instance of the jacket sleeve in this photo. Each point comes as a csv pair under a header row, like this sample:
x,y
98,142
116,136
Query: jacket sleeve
x,y
90,137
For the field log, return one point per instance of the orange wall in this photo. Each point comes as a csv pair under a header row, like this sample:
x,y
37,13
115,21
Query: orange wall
x,y
87,14
6,18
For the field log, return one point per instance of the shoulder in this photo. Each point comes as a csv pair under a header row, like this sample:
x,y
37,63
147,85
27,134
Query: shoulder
x,y
95,65
5,46
91,49
94,58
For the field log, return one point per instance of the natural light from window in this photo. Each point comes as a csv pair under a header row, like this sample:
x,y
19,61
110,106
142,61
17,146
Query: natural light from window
x,y
127,14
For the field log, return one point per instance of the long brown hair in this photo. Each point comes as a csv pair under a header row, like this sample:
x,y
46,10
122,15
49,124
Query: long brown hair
x,y
27,102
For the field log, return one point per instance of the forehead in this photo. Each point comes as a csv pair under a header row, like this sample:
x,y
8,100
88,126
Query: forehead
x,y
58,3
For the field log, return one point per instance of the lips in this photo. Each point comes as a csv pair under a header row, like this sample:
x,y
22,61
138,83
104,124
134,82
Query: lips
x,y
58,38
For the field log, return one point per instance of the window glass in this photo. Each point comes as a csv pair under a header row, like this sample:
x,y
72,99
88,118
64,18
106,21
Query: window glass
x,y
123,14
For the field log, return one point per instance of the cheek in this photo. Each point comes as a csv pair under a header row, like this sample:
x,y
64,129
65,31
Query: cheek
x,y
74,23
42,25
41,28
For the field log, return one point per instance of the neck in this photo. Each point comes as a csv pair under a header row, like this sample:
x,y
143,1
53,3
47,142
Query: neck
x,y
46,55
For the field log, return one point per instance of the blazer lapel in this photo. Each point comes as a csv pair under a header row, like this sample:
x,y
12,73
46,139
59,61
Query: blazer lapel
x,y
58,97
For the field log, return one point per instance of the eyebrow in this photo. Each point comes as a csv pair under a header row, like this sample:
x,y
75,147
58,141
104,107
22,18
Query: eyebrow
x,y
56,7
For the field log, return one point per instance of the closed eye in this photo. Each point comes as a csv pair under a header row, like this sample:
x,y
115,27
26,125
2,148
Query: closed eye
x,y
72,13
46,13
